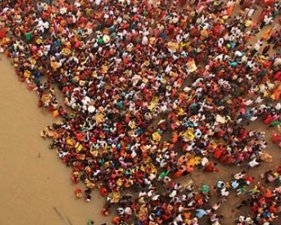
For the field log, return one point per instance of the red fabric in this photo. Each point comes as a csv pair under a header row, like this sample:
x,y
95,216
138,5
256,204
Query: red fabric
x,y
2,32
275,138
218,153
269,118
277,76
269,2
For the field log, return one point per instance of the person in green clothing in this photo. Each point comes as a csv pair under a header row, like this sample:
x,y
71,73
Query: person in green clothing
x,y
205,189
275,123
100,40
90,222
241,190
163,175
28,36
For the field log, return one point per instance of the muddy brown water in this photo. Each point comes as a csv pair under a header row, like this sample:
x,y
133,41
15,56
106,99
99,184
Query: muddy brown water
x,y
35,186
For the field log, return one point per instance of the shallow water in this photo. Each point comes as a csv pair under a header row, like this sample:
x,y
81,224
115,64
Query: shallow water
x,y
35,186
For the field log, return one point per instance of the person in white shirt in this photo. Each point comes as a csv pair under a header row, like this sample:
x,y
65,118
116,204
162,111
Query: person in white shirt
x,y
253,163
268,19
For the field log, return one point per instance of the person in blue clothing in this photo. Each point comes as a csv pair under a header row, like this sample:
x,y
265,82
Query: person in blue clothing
x,y
201,213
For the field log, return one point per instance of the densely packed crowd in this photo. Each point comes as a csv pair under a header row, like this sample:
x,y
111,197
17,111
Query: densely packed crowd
x,y
152,91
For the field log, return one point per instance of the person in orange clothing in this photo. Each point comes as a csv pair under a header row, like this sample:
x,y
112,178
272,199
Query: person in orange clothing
x,y
211,167
78,193
179,172
116,220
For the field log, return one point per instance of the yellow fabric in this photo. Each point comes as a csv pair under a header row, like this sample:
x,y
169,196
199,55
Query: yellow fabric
x,y
26,74
156,136
99,118
70,142
153,103
78,147
66,51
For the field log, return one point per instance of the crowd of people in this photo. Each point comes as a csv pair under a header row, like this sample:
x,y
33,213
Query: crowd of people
x,y
264,202
151,91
